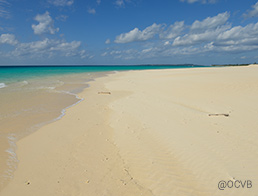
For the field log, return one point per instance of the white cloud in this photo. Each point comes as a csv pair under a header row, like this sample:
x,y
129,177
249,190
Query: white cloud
x,y
115,52
4,13
137,35
91,11
181,51
120,3
253,12
199,30
236,48
201,1
225,38
210,22
196,38
98,2
8,39
121,54
189,1
204,31
83,54
172,31
107,41
166,43
46,24
209,36
147,50
66,47
61,2
104,54
49,48
62,18
239,35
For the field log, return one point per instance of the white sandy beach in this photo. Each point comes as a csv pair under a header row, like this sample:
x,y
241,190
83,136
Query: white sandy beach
x,y
160,132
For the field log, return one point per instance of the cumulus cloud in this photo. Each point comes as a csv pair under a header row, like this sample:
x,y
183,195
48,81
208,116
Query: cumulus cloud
x,y
91,11
210,22
49,47
199,31
240,36
204,31
172,31
8,39
213,34
138,35
224,38
46,24
201,1
196,38
253,12
61,3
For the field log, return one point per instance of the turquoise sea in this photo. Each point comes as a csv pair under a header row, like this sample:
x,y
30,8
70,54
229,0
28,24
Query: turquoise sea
x,y
10,74
32,96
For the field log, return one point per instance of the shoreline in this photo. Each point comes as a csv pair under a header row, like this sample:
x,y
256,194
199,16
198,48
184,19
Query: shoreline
x,y
54,141
9,139
137,140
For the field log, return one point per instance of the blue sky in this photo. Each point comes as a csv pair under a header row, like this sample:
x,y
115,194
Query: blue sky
x,y
95,32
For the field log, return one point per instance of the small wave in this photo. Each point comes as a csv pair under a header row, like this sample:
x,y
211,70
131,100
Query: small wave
x,y
12,160
47,87
64,110
21,84
25,82
2,85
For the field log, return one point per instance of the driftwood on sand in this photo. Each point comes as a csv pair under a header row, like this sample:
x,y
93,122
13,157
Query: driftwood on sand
x,y
226,115
105,93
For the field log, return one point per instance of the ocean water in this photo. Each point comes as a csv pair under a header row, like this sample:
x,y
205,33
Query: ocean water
x,y
32,96
11,74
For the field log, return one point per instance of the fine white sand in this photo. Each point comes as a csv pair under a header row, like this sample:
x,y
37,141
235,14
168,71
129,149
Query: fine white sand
x,y
157,132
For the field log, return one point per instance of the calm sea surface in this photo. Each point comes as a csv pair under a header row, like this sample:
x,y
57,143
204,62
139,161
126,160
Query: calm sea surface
x,y
18,73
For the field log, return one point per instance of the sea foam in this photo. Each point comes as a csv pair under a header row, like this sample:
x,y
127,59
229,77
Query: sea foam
x,y
2,85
